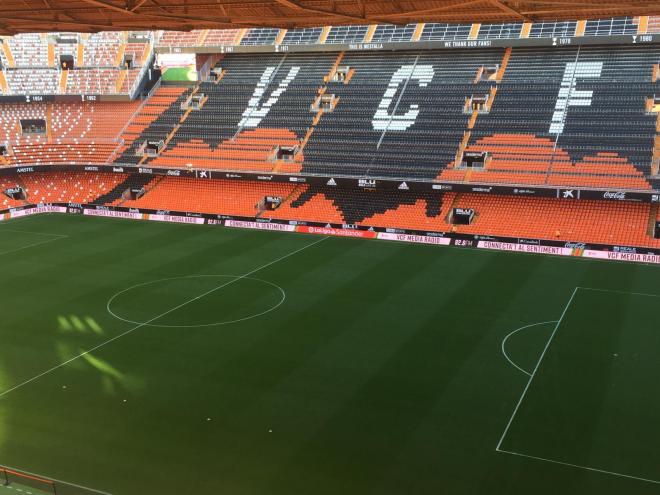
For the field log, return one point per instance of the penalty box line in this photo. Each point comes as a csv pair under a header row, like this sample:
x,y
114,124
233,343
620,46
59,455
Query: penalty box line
x,y
172,310
529,382
536,368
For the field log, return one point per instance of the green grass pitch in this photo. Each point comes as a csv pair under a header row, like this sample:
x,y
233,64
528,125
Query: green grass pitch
x,y
180,74
147,358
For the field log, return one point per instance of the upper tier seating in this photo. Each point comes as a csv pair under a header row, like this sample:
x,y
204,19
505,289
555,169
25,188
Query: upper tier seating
x,y
227,133
430,32
217,37
346,34
92,81
31,63
154,122
600,136
81,133
403,114
260,36
552,116
303,36
180,38
440,31
101,49
29,50
419,125
33,81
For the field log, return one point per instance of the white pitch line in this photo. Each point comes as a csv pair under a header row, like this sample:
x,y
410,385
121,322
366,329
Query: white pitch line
x,y
586,468
505,339
35,233
131,330
620,292
531,377
30,245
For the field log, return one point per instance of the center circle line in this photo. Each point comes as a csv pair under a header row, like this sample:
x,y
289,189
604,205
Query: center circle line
x,y
229,322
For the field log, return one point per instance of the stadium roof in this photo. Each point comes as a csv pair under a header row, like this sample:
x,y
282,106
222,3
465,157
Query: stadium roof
x,y
18,16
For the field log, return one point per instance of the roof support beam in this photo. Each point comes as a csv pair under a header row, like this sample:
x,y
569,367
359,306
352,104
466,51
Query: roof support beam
x,y
109,6
447,7
502,6
137,4
295,5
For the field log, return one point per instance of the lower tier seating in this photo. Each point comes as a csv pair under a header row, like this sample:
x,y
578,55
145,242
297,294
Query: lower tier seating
x,y
6,201
209,196
599,222
596,222
70,187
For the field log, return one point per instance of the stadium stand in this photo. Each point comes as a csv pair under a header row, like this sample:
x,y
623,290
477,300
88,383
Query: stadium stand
x,y
227,197
541,129
346,34
152,108
155,121
260,36
302,36
6,201
103,49
400,115
32,63
224,134
74,133
390,33
579,116
441,32
588,221
599,222
70,187
403,114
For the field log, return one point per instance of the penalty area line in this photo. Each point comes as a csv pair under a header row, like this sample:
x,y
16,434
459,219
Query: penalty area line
x,y
172,310
536,368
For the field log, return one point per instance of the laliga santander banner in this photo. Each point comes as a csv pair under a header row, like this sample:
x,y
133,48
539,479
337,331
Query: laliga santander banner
x,y
363,234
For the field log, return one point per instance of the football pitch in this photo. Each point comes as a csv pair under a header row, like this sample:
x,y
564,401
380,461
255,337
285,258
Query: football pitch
x,y
150,358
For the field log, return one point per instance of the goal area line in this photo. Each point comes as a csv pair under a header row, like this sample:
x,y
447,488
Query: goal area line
x,y
499,448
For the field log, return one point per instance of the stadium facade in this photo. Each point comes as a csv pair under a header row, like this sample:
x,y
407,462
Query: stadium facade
x,y
540,137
